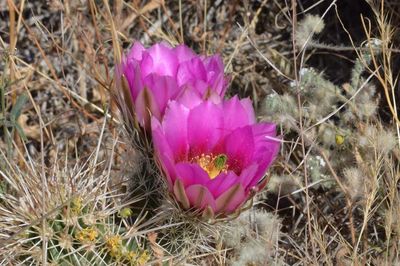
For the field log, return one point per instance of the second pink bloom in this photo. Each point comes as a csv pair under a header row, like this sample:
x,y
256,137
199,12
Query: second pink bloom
x,y
162,73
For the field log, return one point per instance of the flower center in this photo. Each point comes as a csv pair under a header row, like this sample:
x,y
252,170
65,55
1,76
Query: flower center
x,y
213,165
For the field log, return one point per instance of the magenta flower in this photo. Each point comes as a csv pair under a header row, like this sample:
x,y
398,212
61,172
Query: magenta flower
x,y
161,73
214,155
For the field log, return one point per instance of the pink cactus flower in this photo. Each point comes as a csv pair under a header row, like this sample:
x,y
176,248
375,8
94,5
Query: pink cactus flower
x,y
214,155
161,73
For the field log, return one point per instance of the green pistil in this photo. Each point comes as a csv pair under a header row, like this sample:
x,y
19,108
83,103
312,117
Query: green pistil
x,y
220,161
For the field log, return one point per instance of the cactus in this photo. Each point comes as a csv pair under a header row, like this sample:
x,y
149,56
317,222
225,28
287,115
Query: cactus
x,y
91,227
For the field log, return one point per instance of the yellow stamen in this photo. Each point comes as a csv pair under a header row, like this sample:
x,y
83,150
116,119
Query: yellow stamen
x,y
76,205
143,258
87,235
114,246
213,165
131,255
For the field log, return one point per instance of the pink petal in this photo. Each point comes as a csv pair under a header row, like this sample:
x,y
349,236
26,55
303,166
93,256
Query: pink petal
x,y
264,129
266,149
145,106
136,52
248,176
184,53
131,70
200,197
163,60
231,199
239,147
213,97
202,88
235,114
147,65
204,127
176,117
163,150
191,174
219,84
215,74
214,64
248,106
225,181
164,88
222,183
190,71
189,97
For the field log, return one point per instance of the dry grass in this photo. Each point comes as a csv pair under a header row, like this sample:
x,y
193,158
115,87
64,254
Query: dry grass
x,y
330,82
